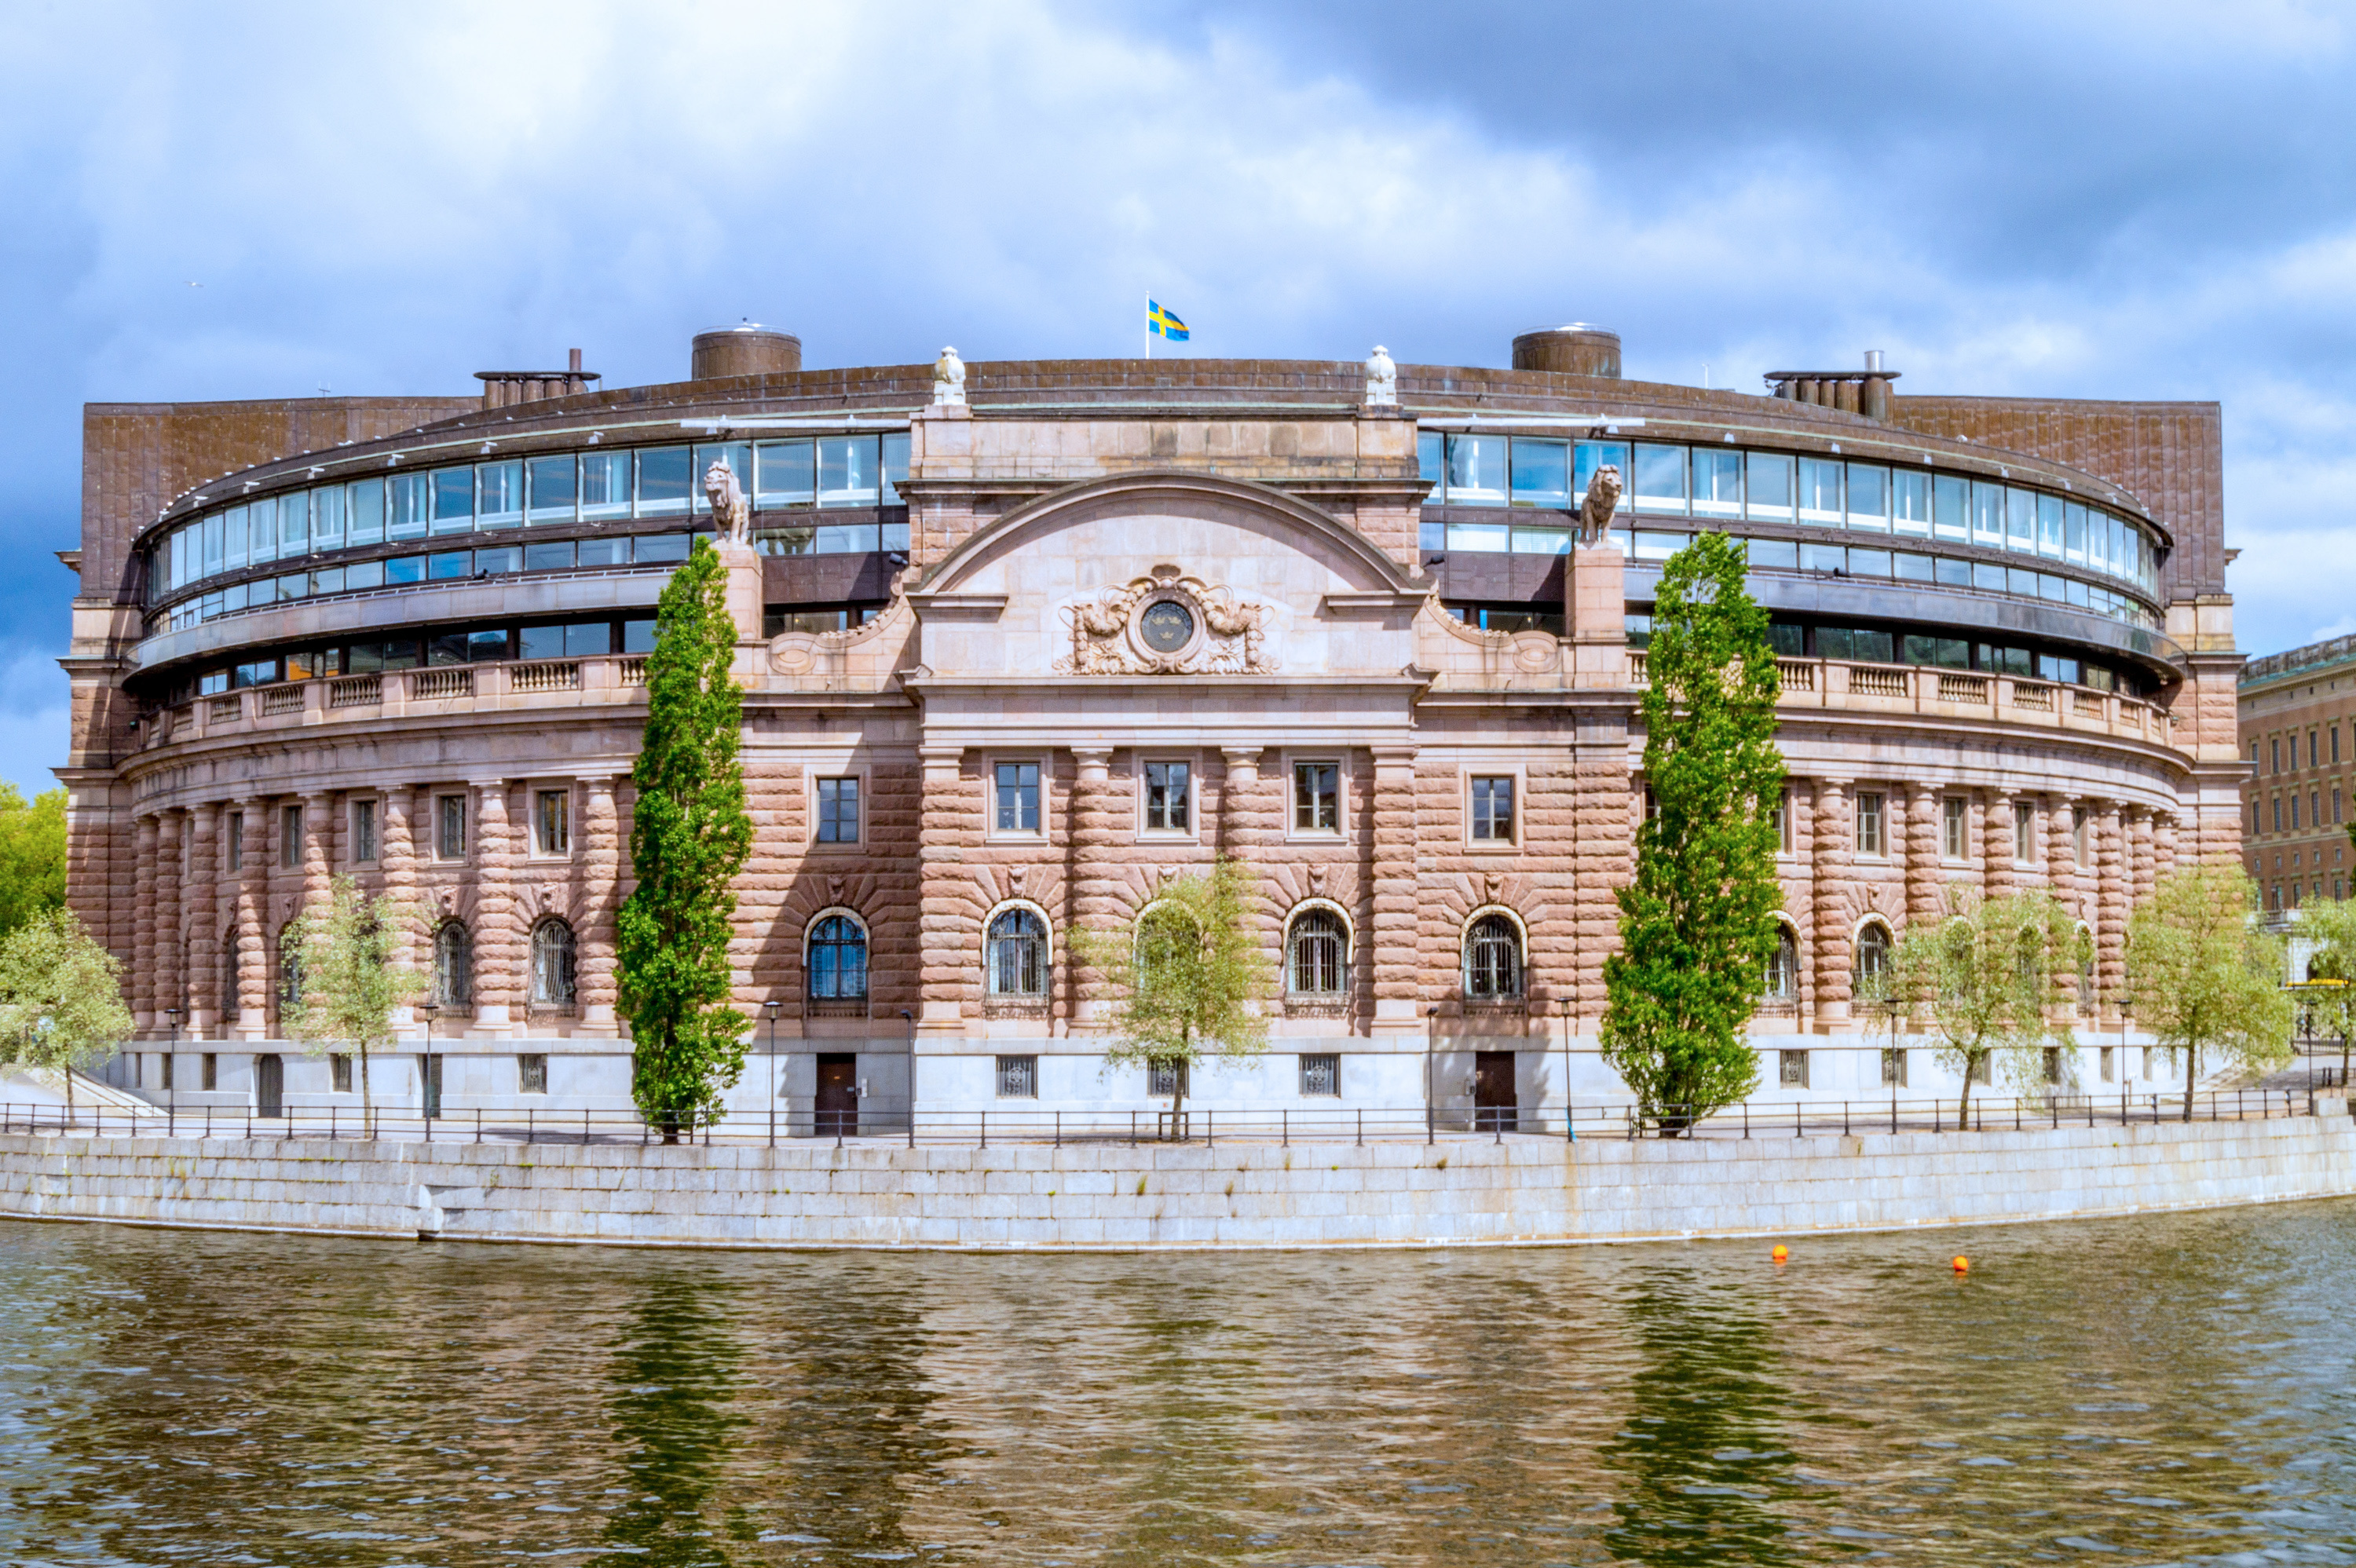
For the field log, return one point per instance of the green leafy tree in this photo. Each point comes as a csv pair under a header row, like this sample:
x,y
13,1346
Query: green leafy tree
x,y
32,855
689,838
1991,978
345,957
2331,925
2206,975
1697,924
1185,976
61,996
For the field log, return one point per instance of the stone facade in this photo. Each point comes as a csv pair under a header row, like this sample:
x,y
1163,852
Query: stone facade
x,y
1318,667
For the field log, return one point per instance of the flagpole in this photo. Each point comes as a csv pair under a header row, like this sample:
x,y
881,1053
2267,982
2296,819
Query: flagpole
x,y
1148,328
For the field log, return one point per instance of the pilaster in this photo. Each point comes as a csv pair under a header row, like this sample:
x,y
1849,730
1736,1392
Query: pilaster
x,y
941,904
497,960
600,904
144,918
1830,872
1394,933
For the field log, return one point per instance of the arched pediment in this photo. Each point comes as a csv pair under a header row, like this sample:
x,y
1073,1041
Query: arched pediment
x,y
1167,573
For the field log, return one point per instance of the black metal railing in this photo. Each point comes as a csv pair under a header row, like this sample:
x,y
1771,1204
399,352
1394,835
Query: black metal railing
x,y
1208,1125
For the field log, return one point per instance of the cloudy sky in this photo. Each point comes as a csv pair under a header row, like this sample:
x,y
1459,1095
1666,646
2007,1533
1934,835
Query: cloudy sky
x,y
2147,200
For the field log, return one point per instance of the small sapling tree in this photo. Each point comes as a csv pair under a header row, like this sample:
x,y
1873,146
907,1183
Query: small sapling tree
x,y
345,958
2331,1006
1185,978
2206,975
61,996
1697,924
1989,977
689,838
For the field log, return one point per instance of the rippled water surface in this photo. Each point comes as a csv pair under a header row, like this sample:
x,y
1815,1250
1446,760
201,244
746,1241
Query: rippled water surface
x,y
2163,1390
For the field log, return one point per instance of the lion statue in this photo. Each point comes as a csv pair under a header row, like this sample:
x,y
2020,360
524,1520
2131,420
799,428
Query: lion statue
x,y
727,498
1602,500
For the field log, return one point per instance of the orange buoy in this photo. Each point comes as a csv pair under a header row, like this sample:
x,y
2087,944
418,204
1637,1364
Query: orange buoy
x,y
1782,1253
1963,1265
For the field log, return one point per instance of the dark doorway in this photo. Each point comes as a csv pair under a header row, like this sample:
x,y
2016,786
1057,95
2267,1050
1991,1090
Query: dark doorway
x,y
838,1093
429,1071
1493,1091
269,1086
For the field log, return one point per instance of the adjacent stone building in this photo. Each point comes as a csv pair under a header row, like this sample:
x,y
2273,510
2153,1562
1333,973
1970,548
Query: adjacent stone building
x,y
1021,640
2298,735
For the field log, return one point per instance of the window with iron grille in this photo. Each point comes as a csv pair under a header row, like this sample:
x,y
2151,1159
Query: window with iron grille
x,y
1873,955
1792,1069
453,967
1493,809
1017,955
1165,1078
1018,1077
553,964
1321,1073
290,836
1893,1069
1493,960
450,827
1782,979
363,831
339,1069
838,811
1319,960
531,1073
838,960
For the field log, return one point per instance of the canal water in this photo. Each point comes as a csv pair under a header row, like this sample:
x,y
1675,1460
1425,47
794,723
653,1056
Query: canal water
x,y
2165,1390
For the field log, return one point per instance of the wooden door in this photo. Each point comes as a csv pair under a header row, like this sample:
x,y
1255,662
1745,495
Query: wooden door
x,y
1493,1091
269,1086
838,1093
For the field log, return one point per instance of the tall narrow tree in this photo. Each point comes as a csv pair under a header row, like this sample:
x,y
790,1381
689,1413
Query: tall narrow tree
x,y
1697,924
61,996
348,955
1989,979
689,838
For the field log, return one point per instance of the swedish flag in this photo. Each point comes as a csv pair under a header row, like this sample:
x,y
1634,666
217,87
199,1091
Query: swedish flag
x,y
1160,323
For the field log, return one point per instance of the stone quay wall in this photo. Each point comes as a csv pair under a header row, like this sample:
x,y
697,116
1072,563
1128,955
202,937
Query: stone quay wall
x,y
1461,1191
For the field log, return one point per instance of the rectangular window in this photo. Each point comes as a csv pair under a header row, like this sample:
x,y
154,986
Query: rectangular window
x,y
531,1072
785,474
2275,744
209,1072
2335,818
2024,833
1955,830
1769,487
1910,504
237,840
847,471
328,518
1987,514
1476,470
552,821
499,495
1820,491
1167,786
1493,810
838,811
1868,825
363,831
1716,483
2078,838
290,836
1321,1075
1893,1068
450,827
1792,1069
1317,797
2020,520
1018,797
294,523
454,500
2314,750
339,1067
2110,1068
2049,527
1779,816
1018,1077
2335,743
605,486
2294,814
1541,473
1868,496
1165,1078
663,481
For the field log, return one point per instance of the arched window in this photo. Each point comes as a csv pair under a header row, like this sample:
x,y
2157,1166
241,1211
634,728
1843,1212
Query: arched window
x,y
551,964
1317,954
1016,955
1493,960
1872,956
453,967
838,960
1783,980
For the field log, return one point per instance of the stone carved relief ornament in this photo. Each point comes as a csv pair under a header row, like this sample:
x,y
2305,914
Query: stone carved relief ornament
x,y
727,498
1167,624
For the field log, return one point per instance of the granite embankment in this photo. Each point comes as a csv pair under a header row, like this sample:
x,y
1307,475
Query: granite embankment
x,y
1465,1190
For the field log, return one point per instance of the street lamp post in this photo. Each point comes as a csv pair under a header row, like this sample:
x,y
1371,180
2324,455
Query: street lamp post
x,y
172,1060
1430,1028
773,1007
425,1060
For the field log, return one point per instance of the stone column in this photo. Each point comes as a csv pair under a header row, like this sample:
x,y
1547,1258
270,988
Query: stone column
x,y
2107,842
171,924
203,898
1394,935
252,882
1995,842
2143,860
1096,885
146,916
1829,875
498,967
602,868
1603,855
1241,829
1924,889
318,848
2163,849
943,906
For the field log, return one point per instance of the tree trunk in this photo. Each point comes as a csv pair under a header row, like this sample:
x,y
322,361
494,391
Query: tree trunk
x,y
2191,1072
368,1106
1971,1066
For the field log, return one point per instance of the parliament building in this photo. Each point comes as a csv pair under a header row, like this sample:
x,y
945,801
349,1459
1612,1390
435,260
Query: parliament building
x,y
1022,640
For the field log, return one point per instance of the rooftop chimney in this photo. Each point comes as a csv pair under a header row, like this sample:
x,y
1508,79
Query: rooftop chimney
x,y
505,389
748,348
1577,350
